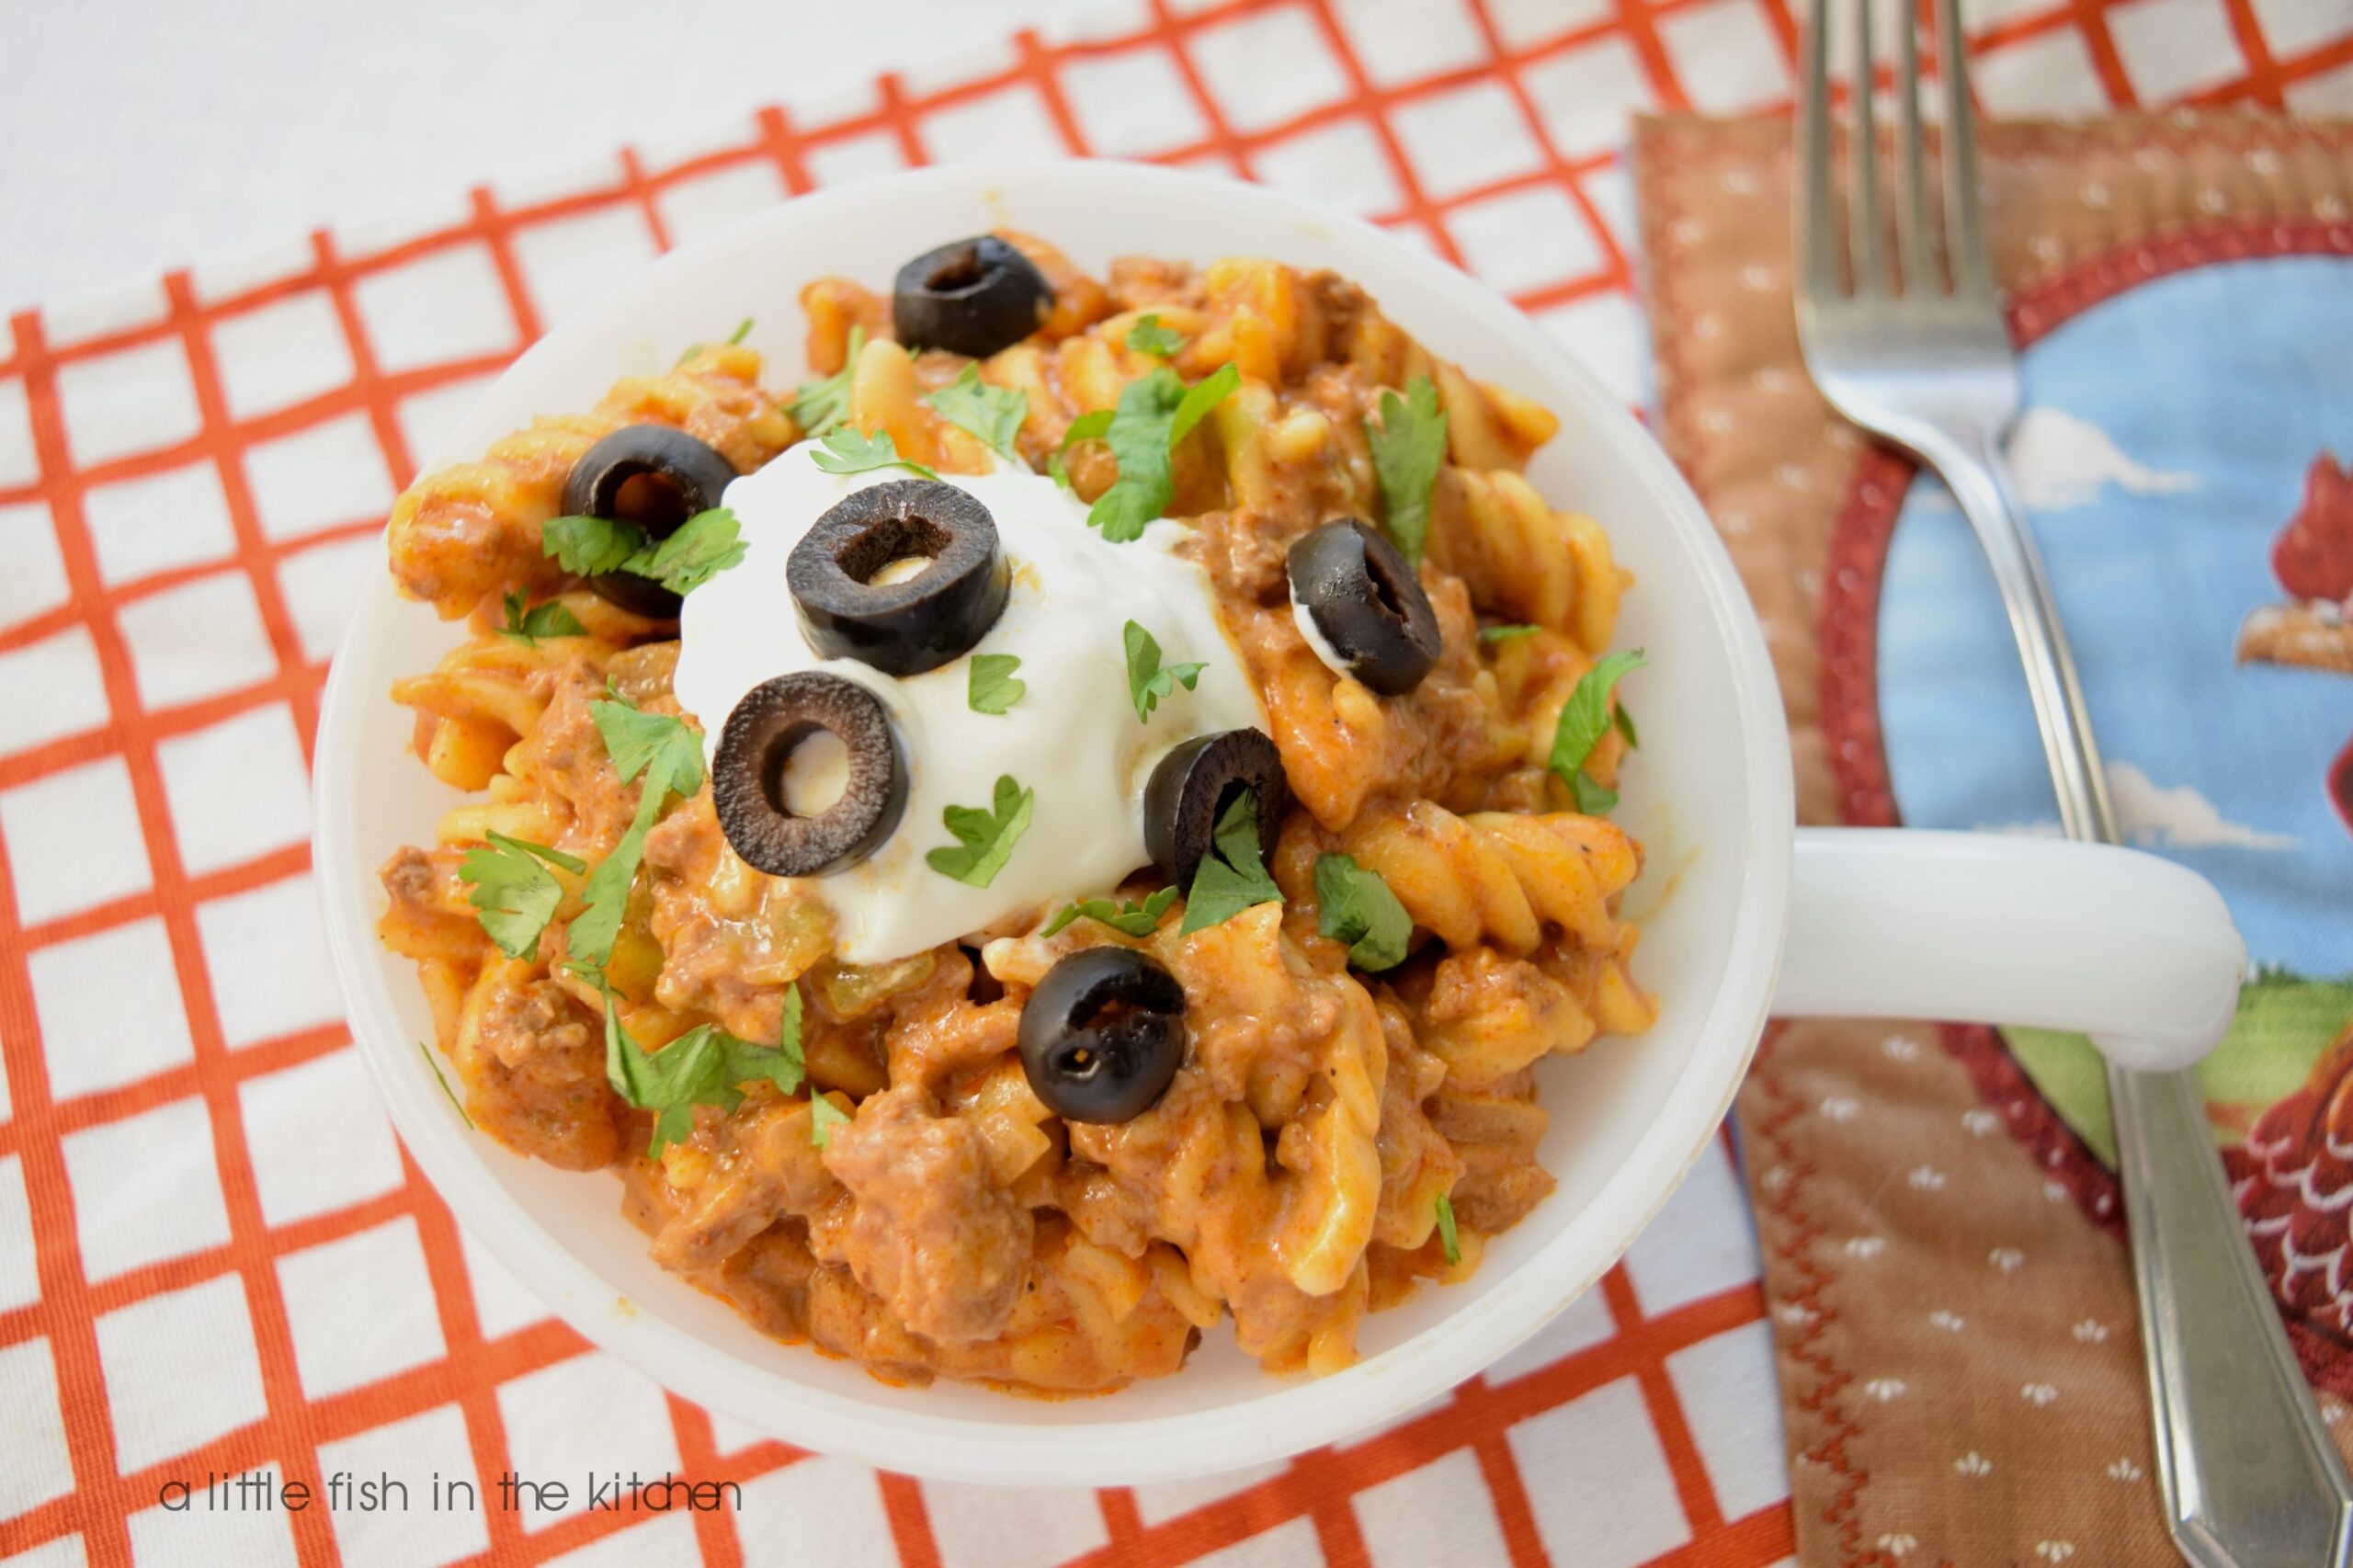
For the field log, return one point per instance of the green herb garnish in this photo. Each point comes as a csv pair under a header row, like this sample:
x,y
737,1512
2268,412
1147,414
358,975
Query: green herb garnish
x,y
697,551
706,1065
1131,919
1408,445
985,839
513,894
1148,336
1354,905
1200,398
1584,719
1624,720
1506,633
663,748
742,330
1085,428
992,414
549,619
1148,681
822,1119
1446,1239
1233,875
990,688
821,405
1139,437
443,1079
846,451
669,755
1154,413
590,547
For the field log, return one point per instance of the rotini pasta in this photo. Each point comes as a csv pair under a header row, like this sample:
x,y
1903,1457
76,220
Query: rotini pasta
x,y
1354,1110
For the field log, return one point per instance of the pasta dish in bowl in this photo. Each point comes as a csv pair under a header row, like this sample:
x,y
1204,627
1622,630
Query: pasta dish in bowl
x,y
1068,821
1078,859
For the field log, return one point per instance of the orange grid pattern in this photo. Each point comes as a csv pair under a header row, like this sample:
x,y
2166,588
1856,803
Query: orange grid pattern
x,y
1687,53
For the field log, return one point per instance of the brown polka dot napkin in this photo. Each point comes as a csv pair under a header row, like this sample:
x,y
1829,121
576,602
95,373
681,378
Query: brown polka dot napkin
x,y
1950,1289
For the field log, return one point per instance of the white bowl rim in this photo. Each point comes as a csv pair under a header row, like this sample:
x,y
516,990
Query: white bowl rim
x,y
1290,1415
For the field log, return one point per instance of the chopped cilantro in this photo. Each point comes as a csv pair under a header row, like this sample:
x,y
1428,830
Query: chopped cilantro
x,y
1085,428
513,895
1506,633
846,451
549,619
1200,398
699,549
443,1079
991,688
706,1065
1446,1239
1154,413
1139,437
1354,905
985,839
992,414
824,1117
1148,682
1584,719
655,745
742,330
1131,919
821,405
1148,336
1232,876
1624,720
589,941
669,755
590,547
1408,445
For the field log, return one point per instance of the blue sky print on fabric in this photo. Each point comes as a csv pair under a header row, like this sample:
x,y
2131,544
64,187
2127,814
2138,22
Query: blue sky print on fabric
x,y
2165,445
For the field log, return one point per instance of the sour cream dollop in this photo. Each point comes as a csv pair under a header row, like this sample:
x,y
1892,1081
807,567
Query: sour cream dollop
x,y
1072,737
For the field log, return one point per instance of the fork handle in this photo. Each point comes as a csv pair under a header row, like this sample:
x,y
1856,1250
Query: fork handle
x,y
2249,1473
1979,481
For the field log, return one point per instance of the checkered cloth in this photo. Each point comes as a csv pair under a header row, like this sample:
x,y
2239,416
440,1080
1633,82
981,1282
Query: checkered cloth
x,y
215,1258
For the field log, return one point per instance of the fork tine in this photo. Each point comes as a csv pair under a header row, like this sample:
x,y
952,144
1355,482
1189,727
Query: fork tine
x,y
1868,248
1912,234
1818,242
1964,222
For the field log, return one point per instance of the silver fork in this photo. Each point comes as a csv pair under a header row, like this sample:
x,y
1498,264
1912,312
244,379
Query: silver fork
x,y
2249,1475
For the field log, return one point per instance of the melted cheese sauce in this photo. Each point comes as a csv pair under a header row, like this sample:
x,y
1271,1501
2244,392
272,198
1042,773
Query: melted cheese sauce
x,y
1072,736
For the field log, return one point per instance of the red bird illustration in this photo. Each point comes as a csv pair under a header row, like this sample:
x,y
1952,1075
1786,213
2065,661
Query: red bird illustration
x,y
2312,558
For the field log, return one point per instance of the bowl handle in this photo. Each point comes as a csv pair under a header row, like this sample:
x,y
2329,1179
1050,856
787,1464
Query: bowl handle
x,y
2136,951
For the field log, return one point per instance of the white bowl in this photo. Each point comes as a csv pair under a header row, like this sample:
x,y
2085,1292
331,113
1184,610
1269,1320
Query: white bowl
x,y
1710,792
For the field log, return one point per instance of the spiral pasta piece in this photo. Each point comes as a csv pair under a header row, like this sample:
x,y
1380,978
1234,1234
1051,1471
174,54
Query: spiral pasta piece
x,y
1499,878
1527,561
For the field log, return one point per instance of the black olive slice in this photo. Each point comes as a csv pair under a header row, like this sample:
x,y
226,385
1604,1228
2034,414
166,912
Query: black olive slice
x,y
652,476
751,792
1195,781
920,622
1367,603
1102,1035
970,297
